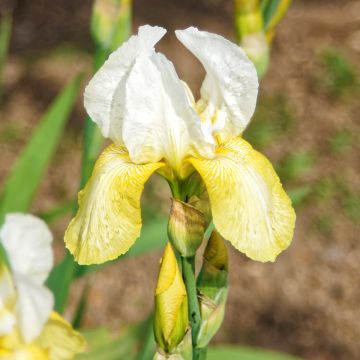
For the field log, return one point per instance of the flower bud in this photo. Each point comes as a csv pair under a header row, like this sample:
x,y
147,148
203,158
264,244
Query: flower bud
x,y
281,9
250,31
111,22
186,228
198,197
171,307
212,287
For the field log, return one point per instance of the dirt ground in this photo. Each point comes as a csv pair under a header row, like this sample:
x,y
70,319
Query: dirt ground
x,y
307,303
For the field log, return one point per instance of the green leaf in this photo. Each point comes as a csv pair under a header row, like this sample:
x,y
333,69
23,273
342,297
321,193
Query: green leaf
x,y
60,279
125,346
245,353
29,168
58,211
5,33
268,8
300,194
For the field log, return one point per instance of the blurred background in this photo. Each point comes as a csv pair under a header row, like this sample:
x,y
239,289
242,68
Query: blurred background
x,y
306,122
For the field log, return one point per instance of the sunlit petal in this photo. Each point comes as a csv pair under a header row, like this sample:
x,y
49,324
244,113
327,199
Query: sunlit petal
x,y
61,340
7,301
109,217
160,121
27,242
249,206
229,91
101,98
33,307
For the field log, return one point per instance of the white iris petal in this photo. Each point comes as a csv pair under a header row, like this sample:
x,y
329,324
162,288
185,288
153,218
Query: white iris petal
x,y
27,242
229,90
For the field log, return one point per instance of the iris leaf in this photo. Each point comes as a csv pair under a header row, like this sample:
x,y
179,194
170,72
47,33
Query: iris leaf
x,y
30,166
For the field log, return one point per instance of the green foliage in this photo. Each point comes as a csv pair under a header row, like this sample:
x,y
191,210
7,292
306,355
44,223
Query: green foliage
x,y
245,353
324,224
58,211
31,165
324,189
341,141
294,165
104,346
300,194
5,33
351,205
10,133
273,118
338,74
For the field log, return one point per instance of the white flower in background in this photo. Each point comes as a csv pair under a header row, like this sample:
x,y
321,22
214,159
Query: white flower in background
x,y
29,329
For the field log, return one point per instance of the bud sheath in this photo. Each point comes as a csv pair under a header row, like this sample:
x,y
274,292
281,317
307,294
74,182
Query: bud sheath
x,y
212,287
186,228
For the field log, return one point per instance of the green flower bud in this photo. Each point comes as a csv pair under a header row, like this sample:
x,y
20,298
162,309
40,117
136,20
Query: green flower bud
x,y
111,22
212,288
250,31
171,306
198,196
186,228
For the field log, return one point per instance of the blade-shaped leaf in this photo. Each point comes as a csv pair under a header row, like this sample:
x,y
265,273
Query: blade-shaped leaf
x,y
273,11
245,353
125,346
29,168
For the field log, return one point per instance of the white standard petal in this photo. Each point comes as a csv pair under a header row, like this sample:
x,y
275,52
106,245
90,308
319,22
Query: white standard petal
x,y
101,97
159,120
229,90
33,307
27,242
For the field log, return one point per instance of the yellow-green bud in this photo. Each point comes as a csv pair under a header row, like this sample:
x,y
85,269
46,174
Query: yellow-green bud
x,y
186,228
281,8
171,306
212,287
250,31
111,22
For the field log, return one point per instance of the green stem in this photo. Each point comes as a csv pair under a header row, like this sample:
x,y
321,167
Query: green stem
x,y
200,354
188,271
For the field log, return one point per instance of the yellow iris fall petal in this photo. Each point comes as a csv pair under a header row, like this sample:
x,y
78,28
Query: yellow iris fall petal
x,y
57,341
61,340
249,206
109,217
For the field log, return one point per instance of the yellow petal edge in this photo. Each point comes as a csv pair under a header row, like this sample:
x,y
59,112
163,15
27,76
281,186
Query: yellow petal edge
x,y
109,217
249,205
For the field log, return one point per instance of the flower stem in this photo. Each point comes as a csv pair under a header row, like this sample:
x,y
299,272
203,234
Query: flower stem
x,y
188,271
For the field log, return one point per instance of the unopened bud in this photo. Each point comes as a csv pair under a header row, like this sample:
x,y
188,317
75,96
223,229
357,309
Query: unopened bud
x,y
171,307
277,14
258,50
250,31
199,197
212,286
186,228
111,22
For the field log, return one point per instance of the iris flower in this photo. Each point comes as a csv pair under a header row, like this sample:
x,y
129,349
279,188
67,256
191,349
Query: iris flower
x,y
29,329
139,102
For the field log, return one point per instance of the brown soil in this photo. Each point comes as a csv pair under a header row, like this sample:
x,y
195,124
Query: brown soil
x,y
307,303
